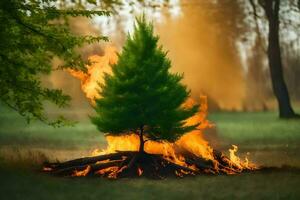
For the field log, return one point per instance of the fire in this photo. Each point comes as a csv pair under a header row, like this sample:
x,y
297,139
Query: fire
x,y
237,161
112,171
140,171
94,75
83,172
47,169
192,142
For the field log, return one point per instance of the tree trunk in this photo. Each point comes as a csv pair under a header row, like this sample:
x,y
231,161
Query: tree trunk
x,y
280,90
142,142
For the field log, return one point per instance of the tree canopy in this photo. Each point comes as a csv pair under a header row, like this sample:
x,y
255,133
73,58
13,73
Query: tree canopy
x,y
141,94
32,34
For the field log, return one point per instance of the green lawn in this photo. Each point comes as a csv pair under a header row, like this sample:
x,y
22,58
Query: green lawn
x,y
15,131
253,130
257,129
25,185
270,142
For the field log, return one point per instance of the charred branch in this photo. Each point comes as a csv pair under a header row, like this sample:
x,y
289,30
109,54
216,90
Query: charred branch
x,y
135,164
89,160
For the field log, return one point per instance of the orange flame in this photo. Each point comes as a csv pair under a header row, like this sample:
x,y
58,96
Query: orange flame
x,y
192,142
94,75
140,171
47,169
82,172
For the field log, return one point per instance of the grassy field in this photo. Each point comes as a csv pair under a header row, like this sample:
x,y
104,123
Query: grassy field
x,y
257,129
270,142
18,184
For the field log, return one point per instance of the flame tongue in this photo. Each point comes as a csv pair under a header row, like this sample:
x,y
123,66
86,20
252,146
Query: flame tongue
x,y
192,142
94,75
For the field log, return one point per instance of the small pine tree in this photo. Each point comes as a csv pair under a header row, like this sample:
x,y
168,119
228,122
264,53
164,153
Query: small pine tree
x,y
141,95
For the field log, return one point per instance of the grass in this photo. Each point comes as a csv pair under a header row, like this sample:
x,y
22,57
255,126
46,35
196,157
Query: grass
x,y
257,129
270,141
33,186
15,131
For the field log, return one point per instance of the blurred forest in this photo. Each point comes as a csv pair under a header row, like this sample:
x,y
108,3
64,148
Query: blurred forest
x,y
219,45
222,47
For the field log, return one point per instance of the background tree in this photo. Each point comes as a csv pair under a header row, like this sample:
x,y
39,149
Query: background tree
x,y
291,61
248,25
141,95
271,10
258,89
32,34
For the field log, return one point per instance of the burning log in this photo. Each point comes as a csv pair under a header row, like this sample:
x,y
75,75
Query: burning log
x,y
199,162
87,160
130,161
91,168
135,164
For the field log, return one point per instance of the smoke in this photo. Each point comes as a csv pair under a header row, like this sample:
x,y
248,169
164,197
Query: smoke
x,y
197,47
70,85
258,83
211,65
83,26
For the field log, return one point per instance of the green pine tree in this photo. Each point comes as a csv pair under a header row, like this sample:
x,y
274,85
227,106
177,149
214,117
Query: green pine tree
x,y
141,95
